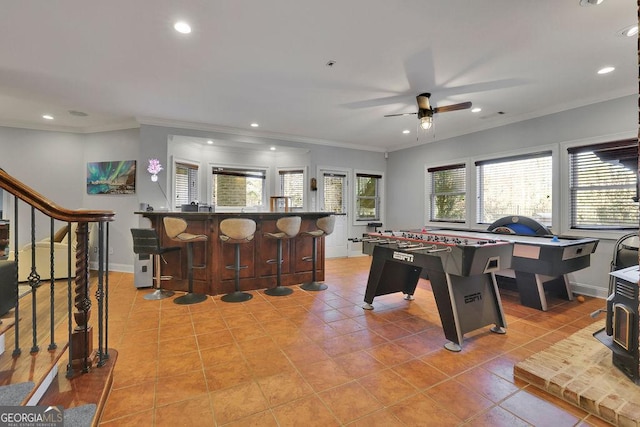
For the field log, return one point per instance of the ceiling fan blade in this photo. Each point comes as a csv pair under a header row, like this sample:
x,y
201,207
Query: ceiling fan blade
x,y
401,114
453,107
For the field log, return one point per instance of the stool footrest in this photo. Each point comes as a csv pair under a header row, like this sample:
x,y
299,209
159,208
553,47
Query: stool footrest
x,y
233,267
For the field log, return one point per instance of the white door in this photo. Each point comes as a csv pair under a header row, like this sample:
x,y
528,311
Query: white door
x,y
333,197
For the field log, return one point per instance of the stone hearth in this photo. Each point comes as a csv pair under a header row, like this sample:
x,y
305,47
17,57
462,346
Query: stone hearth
x,y
579,370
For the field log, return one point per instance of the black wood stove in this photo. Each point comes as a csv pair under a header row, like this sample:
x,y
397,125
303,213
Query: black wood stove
x,y
621,330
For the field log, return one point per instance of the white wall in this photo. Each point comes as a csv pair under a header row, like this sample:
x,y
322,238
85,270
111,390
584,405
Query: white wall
x,y
49,163
606,121
116,146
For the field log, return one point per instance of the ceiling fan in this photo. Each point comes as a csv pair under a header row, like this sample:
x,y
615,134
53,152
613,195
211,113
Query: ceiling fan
x,y
425,111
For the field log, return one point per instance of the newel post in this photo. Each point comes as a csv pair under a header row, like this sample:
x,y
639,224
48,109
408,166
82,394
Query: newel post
x,y
82,335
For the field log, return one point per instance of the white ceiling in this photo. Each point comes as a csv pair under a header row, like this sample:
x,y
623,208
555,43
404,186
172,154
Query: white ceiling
x,y
263,61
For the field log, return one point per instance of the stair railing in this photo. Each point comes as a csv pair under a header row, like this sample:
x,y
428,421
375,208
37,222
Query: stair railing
x,y
82,354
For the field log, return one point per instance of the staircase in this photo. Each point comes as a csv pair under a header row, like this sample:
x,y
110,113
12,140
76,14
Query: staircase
x,y
53,346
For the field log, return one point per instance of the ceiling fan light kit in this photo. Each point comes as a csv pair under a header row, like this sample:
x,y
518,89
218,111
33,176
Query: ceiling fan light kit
x,y
426,122
425,111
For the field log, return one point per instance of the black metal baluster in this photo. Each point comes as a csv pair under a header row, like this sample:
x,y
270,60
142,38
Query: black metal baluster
x,y
106,299
34,282
16,327
52,343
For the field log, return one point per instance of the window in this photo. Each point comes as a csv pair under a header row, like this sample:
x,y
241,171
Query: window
x,y
603,185
292,185
238,188
367,197
186,184
448,190
518,185
333,190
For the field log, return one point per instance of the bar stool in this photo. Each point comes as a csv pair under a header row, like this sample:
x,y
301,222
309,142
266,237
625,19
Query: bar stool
x,y
288,227
237,231
175,228
325,227
147,242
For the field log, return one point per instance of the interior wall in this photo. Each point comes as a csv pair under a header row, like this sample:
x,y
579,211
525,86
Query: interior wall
x,y
116,146
48,163
598,122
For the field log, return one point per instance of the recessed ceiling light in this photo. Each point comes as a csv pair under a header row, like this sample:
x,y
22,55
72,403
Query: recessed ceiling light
x,y
254,125
406,131
629,31
209,142
272,148
590,2
476,110
47,116
606,70
182,27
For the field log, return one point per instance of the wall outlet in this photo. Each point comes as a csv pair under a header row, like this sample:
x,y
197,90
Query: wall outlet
x,y
95,249
110,251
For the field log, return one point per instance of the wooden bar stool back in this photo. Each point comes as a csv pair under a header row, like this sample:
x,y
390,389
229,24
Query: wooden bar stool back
x,y
325,227
146,242
237,231
176,230
288,228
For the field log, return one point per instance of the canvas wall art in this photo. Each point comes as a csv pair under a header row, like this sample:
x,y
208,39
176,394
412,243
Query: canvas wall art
x,y
118,177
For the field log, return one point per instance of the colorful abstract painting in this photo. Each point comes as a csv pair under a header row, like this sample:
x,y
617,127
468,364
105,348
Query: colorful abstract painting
x,y
117,177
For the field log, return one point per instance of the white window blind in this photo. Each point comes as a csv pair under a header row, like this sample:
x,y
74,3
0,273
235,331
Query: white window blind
x,y
292,185
186,184
447,193
518,185
603,185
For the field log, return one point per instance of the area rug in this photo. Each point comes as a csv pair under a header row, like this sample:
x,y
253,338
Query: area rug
x,y
579,370
14,394
80,416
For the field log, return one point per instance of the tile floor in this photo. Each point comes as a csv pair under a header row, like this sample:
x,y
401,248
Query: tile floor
x,y
318,359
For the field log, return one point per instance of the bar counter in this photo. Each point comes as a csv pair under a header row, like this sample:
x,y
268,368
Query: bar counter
x,y
214,278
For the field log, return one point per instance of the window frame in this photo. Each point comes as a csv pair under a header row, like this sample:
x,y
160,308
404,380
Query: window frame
x,y
288,170
564,175
539,152
265,187
429,182
189,163
380,196
617,144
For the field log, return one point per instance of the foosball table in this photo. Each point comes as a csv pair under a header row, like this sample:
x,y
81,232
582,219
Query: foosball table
x,y
461,271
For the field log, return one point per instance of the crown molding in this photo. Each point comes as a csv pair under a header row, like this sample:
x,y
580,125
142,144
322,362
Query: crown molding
x,y
153,121
123,125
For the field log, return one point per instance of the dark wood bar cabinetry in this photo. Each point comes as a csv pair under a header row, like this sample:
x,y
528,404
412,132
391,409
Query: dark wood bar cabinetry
x,y
214,278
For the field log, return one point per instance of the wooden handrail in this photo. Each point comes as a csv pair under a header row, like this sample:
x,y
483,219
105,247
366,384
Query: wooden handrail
x,y
46,206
